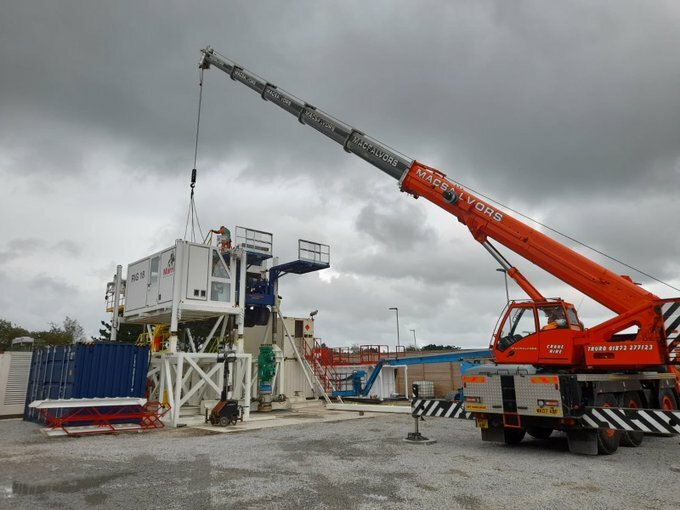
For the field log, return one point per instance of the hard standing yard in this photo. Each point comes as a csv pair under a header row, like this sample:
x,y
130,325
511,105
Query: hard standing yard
x,y
350,464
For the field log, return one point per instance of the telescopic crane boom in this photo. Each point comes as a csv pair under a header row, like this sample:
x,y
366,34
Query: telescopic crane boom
x,y
607,345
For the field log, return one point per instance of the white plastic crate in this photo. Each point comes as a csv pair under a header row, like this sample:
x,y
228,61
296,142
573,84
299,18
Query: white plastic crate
x,y
425,389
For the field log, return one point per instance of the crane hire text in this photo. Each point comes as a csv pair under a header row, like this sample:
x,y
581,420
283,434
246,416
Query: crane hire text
x,y
370,148
444,185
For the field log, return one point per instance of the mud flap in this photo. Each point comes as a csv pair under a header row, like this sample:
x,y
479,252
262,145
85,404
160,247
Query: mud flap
x,y
495,434
583,442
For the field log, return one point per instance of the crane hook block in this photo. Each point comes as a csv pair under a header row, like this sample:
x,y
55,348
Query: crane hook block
x,y
193,177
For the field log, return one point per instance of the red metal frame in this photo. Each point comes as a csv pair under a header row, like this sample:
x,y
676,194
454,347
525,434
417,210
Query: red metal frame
x,y
147,417
321,360
371,354
342,356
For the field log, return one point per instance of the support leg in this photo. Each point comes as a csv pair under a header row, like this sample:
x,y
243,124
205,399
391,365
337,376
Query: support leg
x,y
416,437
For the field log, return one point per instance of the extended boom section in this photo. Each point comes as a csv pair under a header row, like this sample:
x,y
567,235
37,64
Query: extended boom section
x,y
351,139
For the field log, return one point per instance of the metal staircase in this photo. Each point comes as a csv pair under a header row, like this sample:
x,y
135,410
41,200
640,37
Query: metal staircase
x,y
321,360
312,375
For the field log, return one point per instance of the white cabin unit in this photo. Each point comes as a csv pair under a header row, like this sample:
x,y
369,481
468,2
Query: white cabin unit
x,y
195,278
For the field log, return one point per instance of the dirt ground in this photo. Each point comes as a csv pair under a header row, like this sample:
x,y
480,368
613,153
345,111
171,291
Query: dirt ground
x,y
350,464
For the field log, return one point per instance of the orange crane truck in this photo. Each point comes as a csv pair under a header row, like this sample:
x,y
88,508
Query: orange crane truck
x,y
603,385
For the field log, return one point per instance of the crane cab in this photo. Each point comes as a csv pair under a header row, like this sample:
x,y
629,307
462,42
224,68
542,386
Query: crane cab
x,y
537,332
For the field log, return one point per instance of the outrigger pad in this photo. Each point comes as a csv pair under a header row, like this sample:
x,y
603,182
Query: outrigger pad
x,y
418,438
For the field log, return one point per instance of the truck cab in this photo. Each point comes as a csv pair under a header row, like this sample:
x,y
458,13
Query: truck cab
x,y
534,332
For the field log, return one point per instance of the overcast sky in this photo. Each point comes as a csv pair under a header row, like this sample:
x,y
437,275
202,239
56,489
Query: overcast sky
x,y
568,112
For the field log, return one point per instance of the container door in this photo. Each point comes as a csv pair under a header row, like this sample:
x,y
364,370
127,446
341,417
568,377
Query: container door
x,y
152,288
137,285
167,277
198,272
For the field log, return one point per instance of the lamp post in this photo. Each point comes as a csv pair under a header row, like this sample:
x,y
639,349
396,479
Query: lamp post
x,y
415,342
505,274
397,310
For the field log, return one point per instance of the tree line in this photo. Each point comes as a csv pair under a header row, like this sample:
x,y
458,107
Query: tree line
x,y
355,348
68,332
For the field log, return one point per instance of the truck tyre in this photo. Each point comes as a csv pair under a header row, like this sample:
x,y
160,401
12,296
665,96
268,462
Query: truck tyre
x,y
607,439
667,400
632,400
513,436
539,432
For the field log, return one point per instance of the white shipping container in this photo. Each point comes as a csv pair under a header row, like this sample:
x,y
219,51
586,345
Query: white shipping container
x,y
14,371
197,275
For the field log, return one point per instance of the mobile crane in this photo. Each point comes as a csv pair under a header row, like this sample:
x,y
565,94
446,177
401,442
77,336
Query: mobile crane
x,y
549,369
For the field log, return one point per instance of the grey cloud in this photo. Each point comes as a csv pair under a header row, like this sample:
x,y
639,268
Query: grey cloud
x,y
21,247
47,284
395,224
570,111
68,247
522,97
17,248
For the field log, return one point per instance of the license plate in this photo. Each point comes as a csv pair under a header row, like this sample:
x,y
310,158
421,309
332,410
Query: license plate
x,y
482,423
551,411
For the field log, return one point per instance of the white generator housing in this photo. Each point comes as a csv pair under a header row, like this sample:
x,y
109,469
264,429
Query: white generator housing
x,y
193,279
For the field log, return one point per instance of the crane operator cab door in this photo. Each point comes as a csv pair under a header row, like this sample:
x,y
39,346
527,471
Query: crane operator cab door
x,y
537,333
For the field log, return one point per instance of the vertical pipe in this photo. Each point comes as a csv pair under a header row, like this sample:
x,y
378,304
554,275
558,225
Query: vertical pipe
x,y
242,301
178,278
223,331
169,387
248,386
162,396
406,381
178,387
282,372
115,319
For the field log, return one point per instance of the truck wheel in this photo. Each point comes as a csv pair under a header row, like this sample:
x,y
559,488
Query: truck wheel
x,y
539,432
607,439
667,400
513,436
632,400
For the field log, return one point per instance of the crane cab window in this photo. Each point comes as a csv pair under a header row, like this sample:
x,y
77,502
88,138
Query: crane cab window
x,y
519,323
574,323
551,317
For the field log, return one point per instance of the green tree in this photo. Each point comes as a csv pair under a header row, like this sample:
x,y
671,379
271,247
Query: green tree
x,y
56,335
73,329
9,332
69,332
127,333
435,347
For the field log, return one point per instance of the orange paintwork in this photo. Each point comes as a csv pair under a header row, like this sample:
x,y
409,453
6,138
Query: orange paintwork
x,y
544,379
592,348
474,379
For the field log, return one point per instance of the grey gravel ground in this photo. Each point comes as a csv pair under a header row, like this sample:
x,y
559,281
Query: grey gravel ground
x,y
352,464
